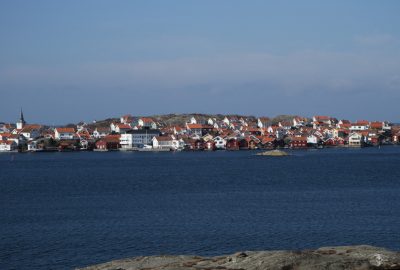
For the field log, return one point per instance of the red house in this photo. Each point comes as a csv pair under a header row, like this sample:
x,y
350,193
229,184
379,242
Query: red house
x,y
232,144
298,142
248,144
210,145
110,142
199,145
268,142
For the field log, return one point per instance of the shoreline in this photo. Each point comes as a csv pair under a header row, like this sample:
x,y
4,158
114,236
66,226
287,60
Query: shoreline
x,y
202,150
361,257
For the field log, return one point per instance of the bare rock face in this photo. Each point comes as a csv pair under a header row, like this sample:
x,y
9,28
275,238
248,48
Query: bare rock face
x,y
330,258
273,153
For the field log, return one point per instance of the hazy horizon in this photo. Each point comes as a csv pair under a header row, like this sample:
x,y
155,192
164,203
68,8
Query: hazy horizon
x,y
65,62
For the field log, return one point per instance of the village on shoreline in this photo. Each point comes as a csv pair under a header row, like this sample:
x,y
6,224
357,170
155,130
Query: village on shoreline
x,y
197,132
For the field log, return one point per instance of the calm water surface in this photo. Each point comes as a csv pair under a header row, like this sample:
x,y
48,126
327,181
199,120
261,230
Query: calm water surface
x,y
66,210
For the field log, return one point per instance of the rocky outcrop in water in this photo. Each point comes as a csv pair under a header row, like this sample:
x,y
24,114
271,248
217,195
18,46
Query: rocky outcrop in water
x,y
273,153
332,258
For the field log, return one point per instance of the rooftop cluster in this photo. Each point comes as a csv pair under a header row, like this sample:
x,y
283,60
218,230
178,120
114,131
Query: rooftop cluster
x,y
228,132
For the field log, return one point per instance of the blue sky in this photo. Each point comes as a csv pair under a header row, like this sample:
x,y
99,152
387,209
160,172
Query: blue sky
x,y
66,61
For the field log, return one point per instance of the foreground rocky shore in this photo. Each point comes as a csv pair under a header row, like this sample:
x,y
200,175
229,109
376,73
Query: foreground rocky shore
x,y
346,257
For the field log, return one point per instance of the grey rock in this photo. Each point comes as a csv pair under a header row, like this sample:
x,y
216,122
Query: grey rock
x,y
329,258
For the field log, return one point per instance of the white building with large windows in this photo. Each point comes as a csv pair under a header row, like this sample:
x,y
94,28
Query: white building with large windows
x,y
138,138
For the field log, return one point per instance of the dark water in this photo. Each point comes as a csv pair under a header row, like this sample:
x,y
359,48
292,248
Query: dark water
x,y
66,210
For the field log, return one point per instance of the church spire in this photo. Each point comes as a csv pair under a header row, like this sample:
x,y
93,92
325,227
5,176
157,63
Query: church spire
x,y
21,122
21,118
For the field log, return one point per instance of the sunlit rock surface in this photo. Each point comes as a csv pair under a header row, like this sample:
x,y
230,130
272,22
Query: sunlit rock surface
x,y
346,257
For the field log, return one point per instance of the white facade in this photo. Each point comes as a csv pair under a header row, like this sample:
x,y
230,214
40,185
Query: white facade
x,y
33,146
312,139
3,128
137,138
220,143
226,121
193,120
64,134
30,134
355,139
126,141
100,133
358,127
297,122
162,143
259,123
145,122
6,146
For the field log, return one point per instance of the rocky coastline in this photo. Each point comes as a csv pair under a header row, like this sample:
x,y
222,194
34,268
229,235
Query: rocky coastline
x,y
332,258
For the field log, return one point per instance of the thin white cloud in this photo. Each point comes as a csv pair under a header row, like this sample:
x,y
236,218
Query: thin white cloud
x,y
376,40
291,73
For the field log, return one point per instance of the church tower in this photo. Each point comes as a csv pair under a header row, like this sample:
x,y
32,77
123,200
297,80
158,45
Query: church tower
x,y
21,122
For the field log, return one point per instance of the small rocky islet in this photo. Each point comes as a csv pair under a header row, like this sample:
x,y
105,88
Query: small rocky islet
x,y
332,258
273,153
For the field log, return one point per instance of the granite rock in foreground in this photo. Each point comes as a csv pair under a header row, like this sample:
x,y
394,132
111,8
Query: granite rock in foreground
x,y
347,257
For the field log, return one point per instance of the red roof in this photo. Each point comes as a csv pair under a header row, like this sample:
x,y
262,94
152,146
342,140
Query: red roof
x,y
376,125
5,135
65,130
322,117
147,120
362,123
112,138
267,140
124,126
345,125
299,138
163,138
6,142
198,126
30,128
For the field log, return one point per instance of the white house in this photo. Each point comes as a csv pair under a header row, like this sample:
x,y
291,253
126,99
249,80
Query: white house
x,y
262,122
64,133
226,121
17,138
126,119
299,122
101,132
6,146
220,143
165,142
359,126
322,119
198,129
193,120
146,122
122,128
3,128
355,139
312,139
30,131
34,146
